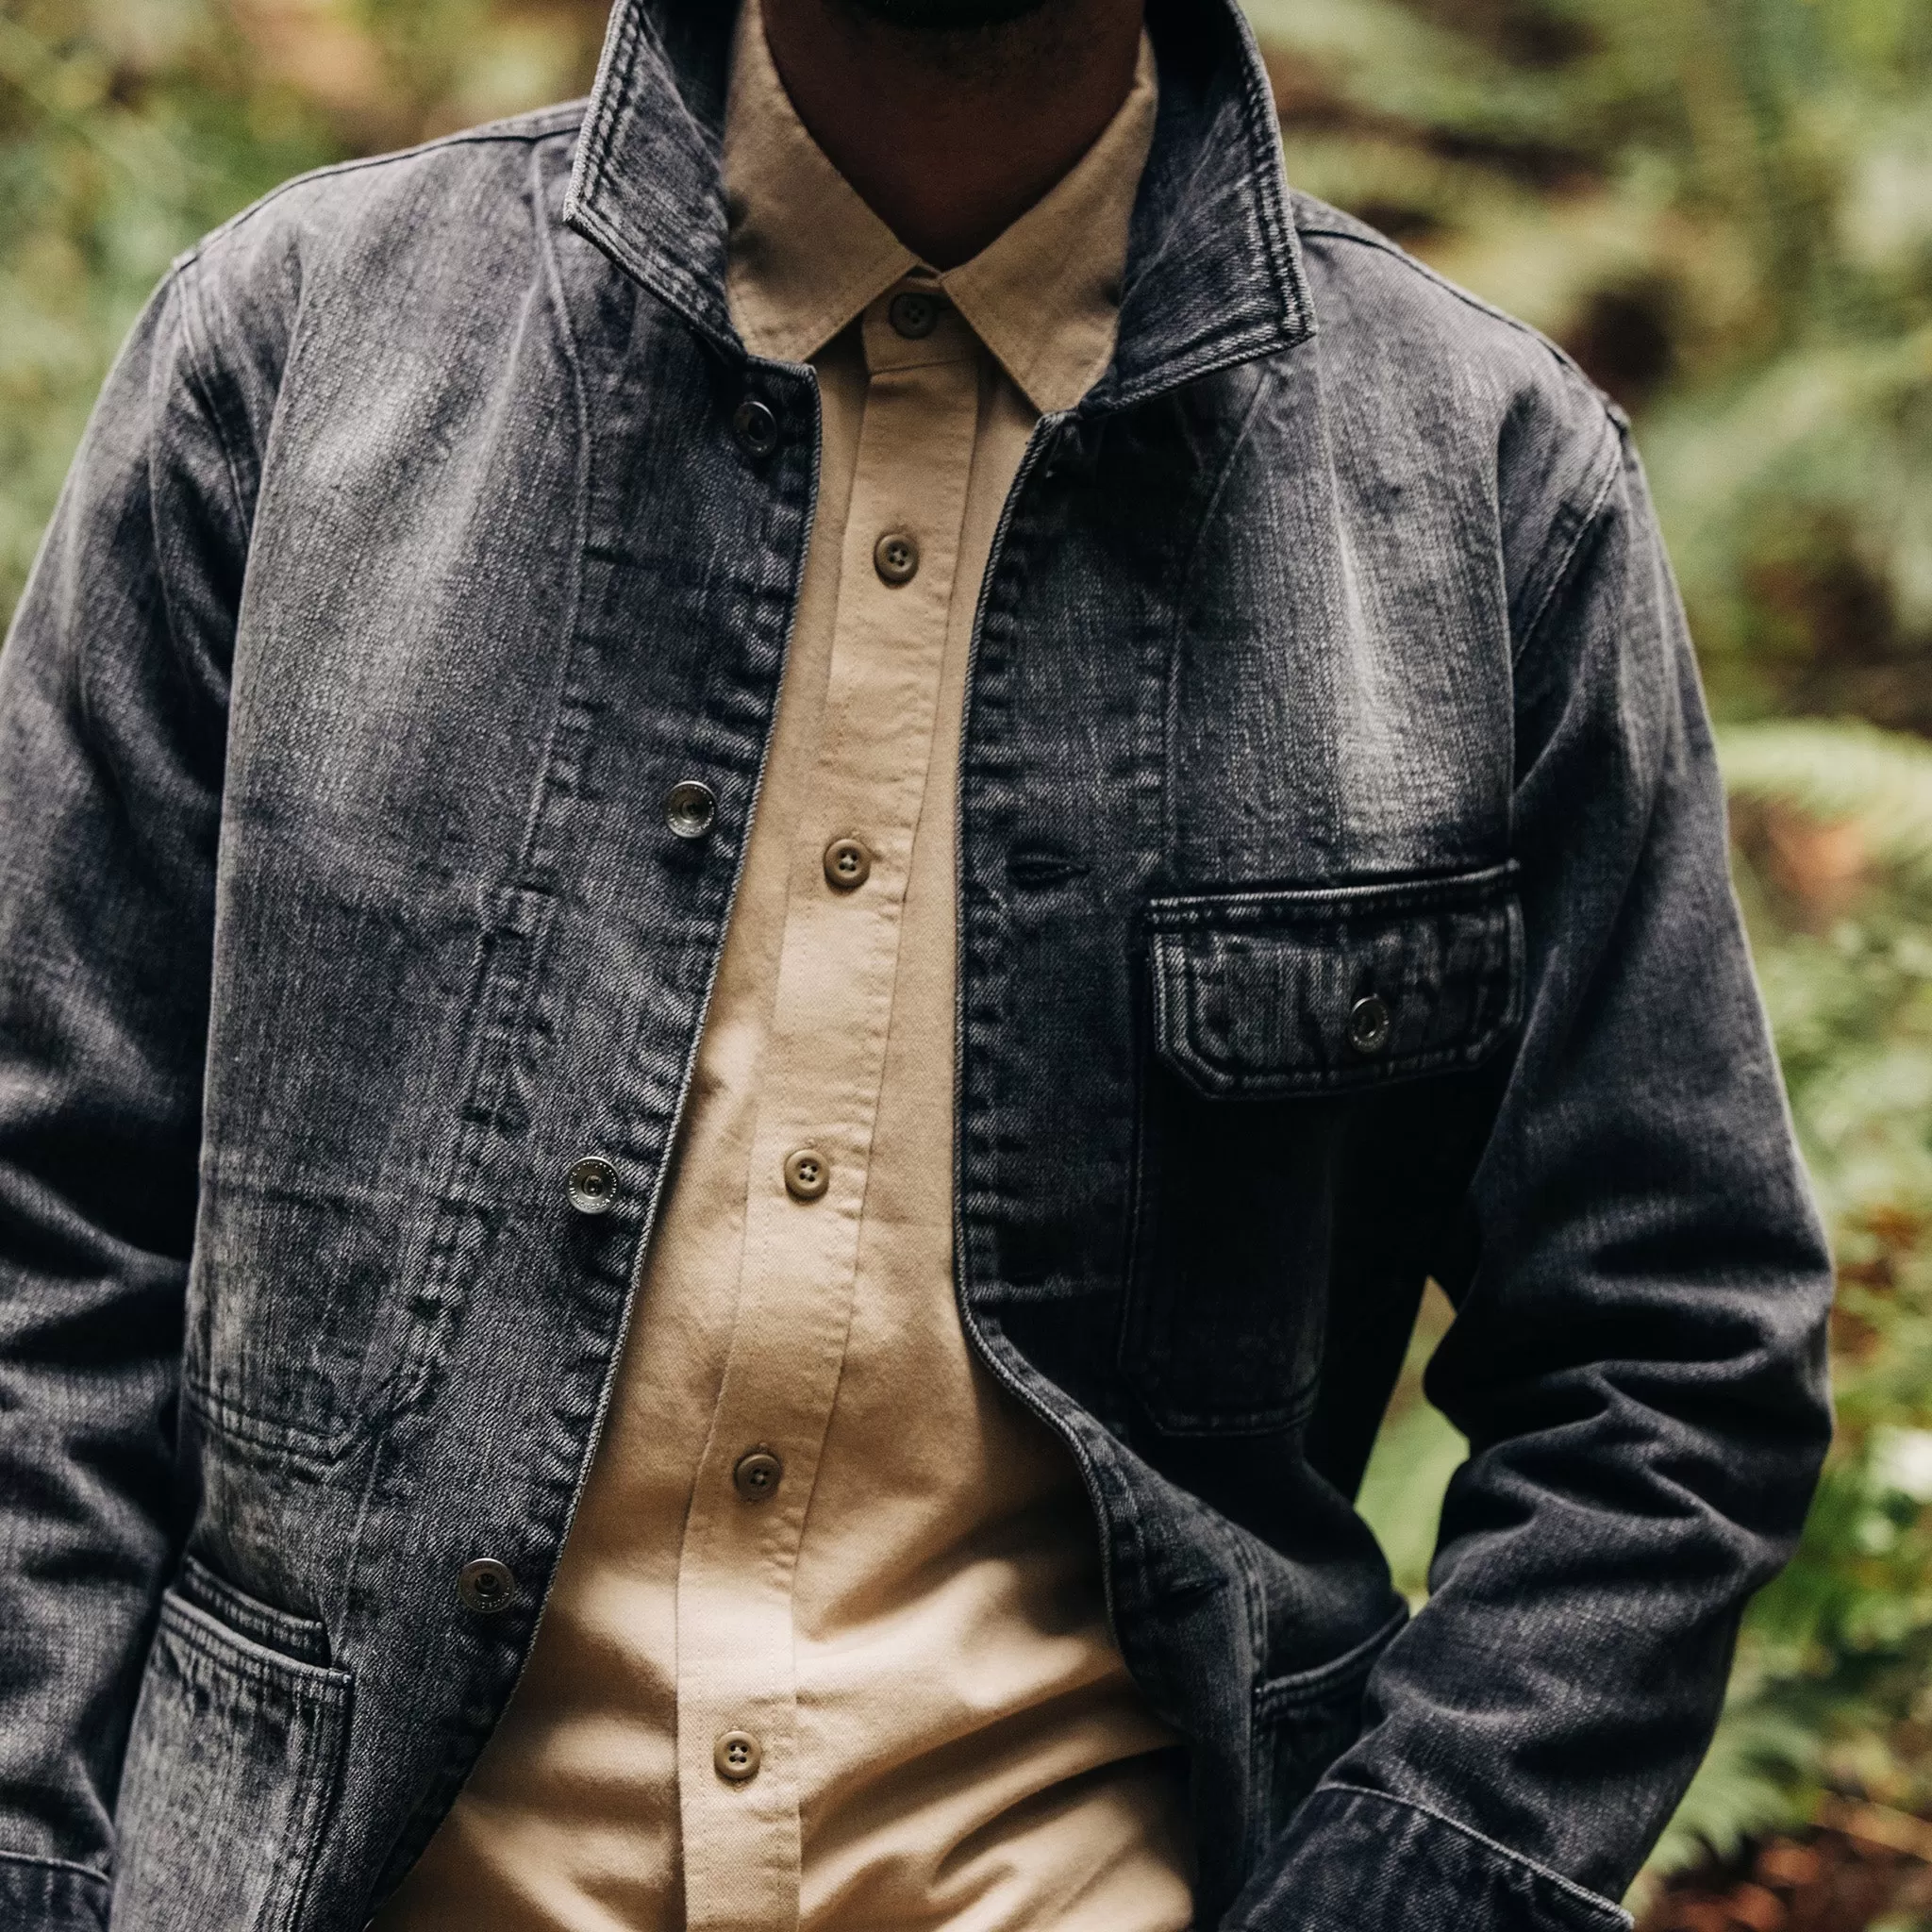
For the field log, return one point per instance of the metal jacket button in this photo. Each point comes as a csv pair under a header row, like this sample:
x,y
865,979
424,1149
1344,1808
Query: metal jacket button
x,y
690,807
913,314
848,865
808,1173
592,1185
1368,1024
758,1474
895,556
486,1586
737,1755
756,427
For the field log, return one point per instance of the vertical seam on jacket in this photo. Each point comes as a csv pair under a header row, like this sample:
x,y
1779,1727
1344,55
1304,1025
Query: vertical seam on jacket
x,y
1190,565
194,359
170,298
1564,574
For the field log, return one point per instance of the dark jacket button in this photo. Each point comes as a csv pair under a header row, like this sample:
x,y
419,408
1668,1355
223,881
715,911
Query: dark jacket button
x,y
486,1586
737,1757
756,427
1368,1024
592,1185
690,807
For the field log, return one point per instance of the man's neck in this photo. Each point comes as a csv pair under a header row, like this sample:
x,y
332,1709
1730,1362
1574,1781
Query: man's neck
x,y
950,137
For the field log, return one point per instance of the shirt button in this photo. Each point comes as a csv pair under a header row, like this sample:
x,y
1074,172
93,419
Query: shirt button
x,y
895,556
738,1755
592,1185
757,1476
913,314
486,1586
756,427
848,865
1368,1025
808,1173
690,807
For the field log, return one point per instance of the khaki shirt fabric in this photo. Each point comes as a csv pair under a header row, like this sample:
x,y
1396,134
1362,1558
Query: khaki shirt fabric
x,y
911,1626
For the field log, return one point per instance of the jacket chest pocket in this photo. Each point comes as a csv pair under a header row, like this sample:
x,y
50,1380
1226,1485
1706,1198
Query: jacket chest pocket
x,y
1272,1014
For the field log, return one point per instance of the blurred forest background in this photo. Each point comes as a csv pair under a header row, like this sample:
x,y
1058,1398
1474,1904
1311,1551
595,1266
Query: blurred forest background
x,y
1724,209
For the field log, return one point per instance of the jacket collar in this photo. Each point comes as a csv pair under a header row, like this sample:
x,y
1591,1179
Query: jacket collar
x,y
1213,276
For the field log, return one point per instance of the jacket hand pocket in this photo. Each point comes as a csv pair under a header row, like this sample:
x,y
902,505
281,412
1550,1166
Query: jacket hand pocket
x,y
1303,1723
231,1770
1271,1012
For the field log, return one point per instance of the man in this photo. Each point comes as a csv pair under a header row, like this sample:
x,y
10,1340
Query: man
x,y
779,855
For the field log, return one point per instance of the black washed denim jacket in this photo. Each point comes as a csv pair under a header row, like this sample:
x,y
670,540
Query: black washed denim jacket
x,y
1343,901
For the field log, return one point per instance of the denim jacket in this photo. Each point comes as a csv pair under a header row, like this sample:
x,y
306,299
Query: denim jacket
x,y
1342,903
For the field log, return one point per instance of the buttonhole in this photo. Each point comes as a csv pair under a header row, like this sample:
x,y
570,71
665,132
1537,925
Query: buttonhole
x,y
1035,866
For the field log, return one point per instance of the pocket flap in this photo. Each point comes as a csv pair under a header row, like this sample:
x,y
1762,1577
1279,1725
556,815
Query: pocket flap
x,y
1261,993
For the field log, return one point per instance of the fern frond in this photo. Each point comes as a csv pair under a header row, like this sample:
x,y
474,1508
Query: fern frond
x,y
1836,769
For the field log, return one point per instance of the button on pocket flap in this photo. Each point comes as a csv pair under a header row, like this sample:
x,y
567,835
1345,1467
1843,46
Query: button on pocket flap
x,y
1269,993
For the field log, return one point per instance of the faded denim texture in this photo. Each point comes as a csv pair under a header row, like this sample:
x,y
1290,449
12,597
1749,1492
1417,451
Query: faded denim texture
x,y
1327,652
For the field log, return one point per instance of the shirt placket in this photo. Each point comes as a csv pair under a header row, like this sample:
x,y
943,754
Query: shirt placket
x,y
737,1729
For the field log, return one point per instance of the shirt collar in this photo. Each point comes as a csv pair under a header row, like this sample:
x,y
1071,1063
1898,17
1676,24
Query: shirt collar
x,y
807,255
1213,276
805,252
1045,295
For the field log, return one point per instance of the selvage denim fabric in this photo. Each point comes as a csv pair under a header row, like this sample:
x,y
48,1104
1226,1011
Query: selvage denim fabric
x,y
1327,655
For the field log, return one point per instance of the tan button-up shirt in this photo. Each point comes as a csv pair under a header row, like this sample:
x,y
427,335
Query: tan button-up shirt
x,y
866,1680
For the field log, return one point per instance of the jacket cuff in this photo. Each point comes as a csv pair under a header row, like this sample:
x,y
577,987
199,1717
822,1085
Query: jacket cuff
x,y
1362,1861
45,1895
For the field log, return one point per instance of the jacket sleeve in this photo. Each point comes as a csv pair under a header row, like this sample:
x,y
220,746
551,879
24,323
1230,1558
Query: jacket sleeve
x,y
1638,1354
112,726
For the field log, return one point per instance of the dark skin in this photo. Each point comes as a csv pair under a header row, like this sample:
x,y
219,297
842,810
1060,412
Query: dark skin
x,y
950,133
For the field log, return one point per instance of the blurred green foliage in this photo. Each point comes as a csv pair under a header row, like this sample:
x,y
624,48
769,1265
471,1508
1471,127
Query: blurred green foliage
x,y
1833,1693
1724,209
129,128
